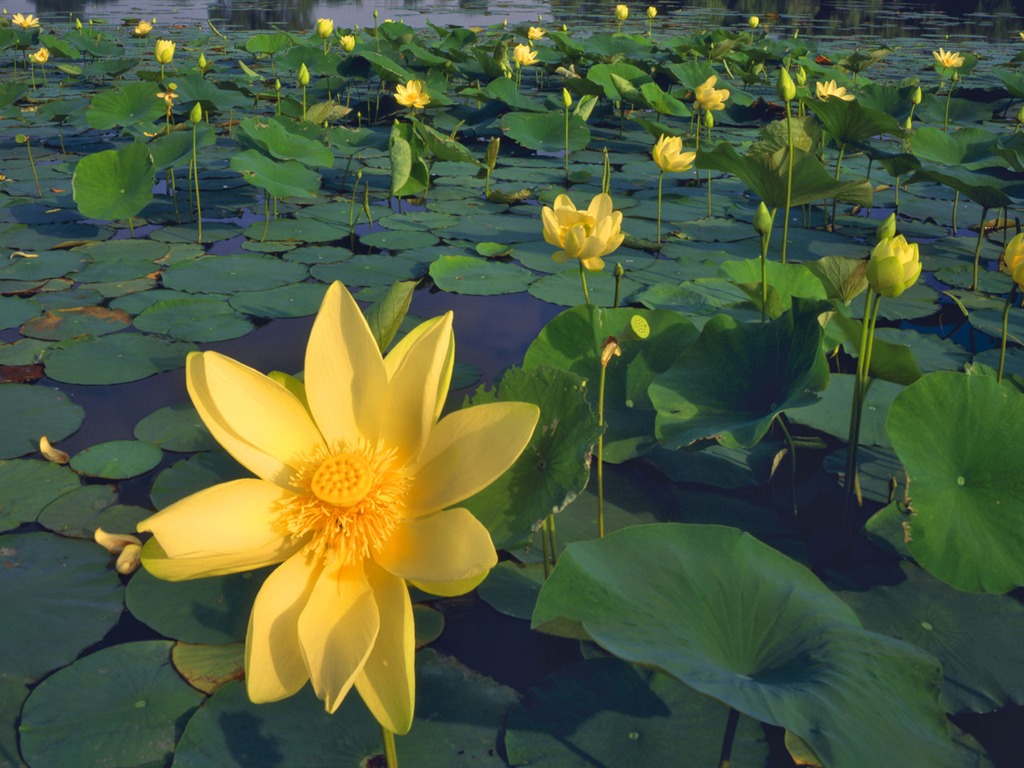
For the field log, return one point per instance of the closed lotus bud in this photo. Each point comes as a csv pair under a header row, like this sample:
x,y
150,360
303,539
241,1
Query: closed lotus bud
x,y
801,77
303,76
651,12
566,98
887,228
348,42
196,114
375,14
324,28
1020,114
893,267
621,12
78,24
709,120
493,146
164,51
908,124
915,96
763,220
757,69
1011,261
277,85
785,86
753,22
202,62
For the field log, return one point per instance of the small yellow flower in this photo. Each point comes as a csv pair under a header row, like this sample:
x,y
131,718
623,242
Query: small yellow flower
x,y
948,59
303,75
1012,259
893,267
356,494
753,22
142,29
668,154
41,56
535,33
829,90
168,96
324,28
164,51
348,42
651,12
413,95
25,22
523,56
621,13
710,98
585,235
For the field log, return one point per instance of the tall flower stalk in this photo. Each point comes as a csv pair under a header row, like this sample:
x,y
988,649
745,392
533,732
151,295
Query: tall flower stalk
x,y
1011,262
669,156
196,115
786,89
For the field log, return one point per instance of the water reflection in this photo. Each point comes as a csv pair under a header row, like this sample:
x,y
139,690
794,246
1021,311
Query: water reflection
x,y
992,20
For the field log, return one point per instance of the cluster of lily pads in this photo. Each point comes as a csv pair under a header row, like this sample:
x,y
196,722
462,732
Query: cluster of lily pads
x,y
798,453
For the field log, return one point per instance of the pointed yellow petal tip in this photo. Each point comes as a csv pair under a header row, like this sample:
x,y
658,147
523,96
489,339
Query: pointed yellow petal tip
x,y
50,453
129,560
115,543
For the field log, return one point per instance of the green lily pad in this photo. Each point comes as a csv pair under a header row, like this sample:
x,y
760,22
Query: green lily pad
x,y
67,323
194,319
232,273
194,474
31,411
213,610
512,588
300,230
399,240
115,184
123,705
953,432
117,459
732,382
460,716
831,414
746,625
113,359
175,428
74,513
27,486
65,596
479,277
271,136
14,310
208,667
133,104
604,712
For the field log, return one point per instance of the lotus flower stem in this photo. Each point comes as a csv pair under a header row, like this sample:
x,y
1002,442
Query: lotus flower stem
x,y
195,170
956,203
22,138
860,389
390,753
266,217
600,451
839,165
618,272
583,280
945,116
1002,345
789,189
661,178
545,546
552,543
725,758
792,459
977,249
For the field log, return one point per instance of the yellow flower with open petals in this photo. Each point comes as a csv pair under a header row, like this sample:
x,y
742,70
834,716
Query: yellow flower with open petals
x,y
413,95
523,56
830,90
893,267
164,51
24,22
356,492
1011,261
668,154
585,235
535,33
948,59
142,29
41,56
348,43
168,96
710,98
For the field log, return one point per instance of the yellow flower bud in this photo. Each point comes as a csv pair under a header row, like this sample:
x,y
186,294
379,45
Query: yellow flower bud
x,y
78,24
785,86
801,76
164,51
41,56
621,12
303,76
893,267
324,28
1020,114
196,114
567,98
348,42
887,228
915,96
493,147
763,220
651,12
753,22
1011,261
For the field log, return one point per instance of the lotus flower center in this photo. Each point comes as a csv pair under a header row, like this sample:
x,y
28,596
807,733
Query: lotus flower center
x,y
343,479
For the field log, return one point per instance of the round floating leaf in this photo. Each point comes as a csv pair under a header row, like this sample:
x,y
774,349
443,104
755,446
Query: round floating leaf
x,y
300,230
735,379
199,472
545,131
208,667
479,277
27,486
15,311
65,596
214,610
74,513
67,323
743,623
232,273
398,240
124,705
117,459
460,715
953,433
114,359
32,411
130,105
114,184
976,637
511,588
194,319
175,428
604,712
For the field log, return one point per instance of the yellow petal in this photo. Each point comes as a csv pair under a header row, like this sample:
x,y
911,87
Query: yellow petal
x,y
388,681
226,528
274,667
415,389
337,629
258,421
346,383
450,545
401,349
468,450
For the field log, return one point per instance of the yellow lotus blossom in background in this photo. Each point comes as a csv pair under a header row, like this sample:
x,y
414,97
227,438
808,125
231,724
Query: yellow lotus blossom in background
x,y
348,42
948,59
413,95
523,56
142,29
754,22
41,56
893,267
25,22
535,33
651,12
356,492
168,96
324,28
829,90
585,235
621,13
1011,261
668,154
710,98
164,51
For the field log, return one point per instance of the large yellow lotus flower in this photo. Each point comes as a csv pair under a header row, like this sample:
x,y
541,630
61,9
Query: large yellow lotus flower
x,y
25,22
1011,261
708,97
668,154
324,28
413,95
585,235
830,90
523,56
535,33
164,51
142,29
893,267
948,59
41,56
355,494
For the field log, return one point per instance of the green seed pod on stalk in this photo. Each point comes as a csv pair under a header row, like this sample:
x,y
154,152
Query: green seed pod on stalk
x,y
197,113
785,86
763,219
